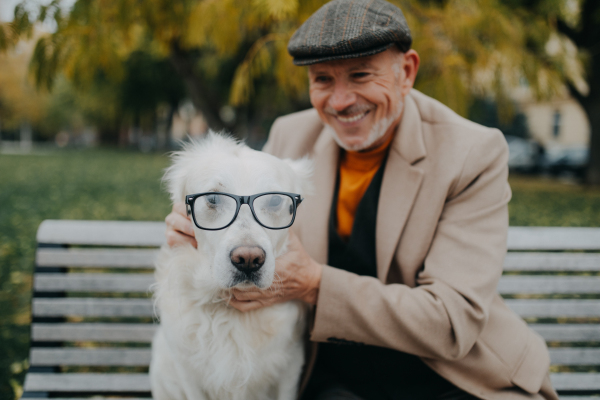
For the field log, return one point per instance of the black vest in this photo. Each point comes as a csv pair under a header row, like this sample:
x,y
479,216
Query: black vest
x,y
371,372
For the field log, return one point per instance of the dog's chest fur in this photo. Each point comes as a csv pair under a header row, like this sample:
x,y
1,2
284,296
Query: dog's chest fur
x,y
229,353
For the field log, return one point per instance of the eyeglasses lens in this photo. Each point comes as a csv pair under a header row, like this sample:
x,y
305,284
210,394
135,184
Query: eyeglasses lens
x,y
274,210
214,211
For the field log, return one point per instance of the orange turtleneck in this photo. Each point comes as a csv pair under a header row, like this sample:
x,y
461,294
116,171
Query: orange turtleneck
x,y
357,170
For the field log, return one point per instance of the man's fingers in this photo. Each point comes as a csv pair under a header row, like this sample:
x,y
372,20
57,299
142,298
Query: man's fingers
x,y
180,223
180,229
175,238
243,295
180,208
245,306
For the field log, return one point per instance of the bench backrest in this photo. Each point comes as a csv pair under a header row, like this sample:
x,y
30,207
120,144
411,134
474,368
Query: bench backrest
x,y
93,318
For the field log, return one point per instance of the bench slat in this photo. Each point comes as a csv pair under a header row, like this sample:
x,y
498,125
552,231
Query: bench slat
x,y
121,258
567,398
552,262
91,382
553,238
575,381
92,307
530,308
575,356
568,332
96,357
142,357
145,233
523,284
93,282
533,308
102,233
570,398
101,332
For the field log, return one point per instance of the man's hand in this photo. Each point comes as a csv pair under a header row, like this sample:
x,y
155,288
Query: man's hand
x,y
180,229
297,277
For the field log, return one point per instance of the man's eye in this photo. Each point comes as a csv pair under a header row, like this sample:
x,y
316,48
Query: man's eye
x,y
322,79
358,75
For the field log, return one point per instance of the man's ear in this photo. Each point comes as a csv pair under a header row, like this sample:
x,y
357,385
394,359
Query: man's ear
x,y
410,65
303,169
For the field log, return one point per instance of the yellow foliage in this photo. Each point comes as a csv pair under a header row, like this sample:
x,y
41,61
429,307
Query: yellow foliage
x,y
277,9
19,99
468,47
217,24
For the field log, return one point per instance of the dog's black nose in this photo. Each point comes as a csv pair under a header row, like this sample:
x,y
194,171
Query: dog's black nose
x,y
248,259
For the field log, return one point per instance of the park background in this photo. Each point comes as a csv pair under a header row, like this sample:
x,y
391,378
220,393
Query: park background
x,y
94,93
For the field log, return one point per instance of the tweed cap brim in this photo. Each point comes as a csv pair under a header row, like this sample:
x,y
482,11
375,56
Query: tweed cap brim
x,y
344,29
315,60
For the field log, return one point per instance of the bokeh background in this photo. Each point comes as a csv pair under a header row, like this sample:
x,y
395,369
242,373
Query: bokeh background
x,y
94,93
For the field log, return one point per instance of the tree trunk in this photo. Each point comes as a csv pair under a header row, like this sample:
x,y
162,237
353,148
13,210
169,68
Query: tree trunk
x,y
591,104
587,37
593,112
204,101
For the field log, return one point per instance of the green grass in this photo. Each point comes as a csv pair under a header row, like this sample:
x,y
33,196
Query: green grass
x,y
544,202
108,184
99,184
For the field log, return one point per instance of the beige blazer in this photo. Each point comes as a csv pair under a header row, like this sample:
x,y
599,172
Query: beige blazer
x,y
441,233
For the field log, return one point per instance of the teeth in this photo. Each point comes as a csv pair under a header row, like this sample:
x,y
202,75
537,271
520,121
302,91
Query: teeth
x,y
351,119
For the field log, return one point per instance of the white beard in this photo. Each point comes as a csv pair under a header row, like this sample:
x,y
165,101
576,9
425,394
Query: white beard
x,y
378,130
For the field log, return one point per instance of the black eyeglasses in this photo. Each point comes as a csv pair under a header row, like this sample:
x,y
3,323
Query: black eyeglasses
x,y
212,211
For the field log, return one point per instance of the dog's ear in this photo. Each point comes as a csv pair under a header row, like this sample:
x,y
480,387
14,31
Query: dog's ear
x,y
303,169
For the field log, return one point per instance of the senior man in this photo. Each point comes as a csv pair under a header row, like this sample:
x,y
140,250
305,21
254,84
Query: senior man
x,y
401,246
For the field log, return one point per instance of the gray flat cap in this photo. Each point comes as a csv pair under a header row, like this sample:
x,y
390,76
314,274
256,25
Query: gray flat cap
x,y
348,29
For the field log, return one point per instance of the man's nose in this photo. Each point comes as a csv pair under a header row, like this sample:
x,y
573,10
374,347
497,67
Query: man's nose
x,y
341,97
247,259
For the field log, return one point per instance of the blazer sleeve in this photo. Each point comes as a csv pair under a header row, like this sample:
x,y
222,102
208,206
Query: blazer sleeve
x,y
273,140
443,316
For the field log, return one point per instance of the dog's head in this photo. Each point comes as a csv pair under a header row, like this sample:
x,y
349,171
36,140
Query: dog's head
x,y
244,252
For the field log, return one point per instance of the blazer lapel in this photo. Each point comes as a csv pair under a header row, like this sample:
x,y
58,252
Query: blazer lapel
x,y
400,185
317,206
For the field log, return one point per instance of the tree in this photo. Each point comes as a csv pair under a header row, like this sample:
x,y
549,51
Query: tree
x,y
584,31
20,103
233,51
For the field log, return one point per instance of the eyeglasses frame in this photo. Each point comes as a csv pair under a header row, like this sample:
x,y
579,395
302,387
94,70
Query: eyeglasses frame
x,y
191,198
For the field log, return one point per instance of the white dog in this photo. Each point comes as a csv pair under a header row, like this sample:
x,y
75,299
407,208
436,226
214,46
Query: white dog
x,y
205,349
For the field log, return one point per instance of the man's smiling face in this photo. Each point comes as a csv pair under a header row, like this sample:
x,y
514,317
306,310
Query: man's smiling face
x,y
362,99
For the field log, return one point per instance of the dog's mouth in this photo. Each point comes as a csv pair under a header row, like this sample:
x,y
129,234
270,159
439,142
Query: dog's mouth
x,y
245,279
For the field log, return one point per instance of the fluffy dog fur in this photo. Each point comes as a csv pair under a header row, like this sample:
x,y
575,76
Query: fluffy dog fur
x,y
205,349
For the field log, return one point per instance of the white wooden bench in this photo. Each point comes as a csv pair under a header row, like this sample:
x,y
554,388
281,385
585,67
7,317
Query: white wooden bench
x,y
92,317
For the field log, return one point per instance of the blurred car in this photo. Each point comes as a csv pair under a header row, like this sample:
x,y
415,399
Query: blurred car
x,y
524,155
559,160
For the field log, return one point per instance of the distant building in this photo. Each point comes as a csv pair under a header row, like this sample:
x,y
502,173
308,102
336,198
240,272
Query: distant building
x,y
561,122
562,129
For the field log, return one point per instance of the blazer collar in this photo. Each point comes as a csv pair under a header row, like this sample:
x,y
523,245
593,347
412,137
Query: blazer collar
x,y
400,185
409,141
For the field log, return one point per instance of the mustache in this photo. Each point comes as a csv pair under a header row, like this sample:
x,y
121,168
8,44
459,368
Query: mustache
x,y
352,110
